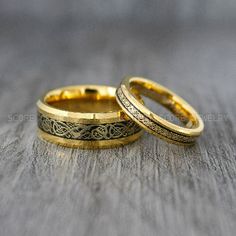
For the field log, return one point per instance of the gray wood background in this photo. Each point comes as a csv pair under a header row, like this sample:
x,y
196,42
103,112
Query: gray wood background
x,y
146,188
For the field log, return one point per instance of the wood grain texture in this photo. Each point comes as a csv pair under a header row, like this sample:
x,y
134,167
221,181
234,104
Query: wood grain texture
x,y
146,188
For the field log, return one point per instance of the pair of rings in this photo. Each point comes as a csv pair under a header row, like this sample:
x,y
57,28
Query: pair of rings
x,y
94,116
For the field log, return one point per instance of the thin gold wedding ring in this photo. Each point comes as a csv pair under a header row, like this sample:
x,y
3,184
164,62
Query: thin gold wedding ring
x,y
153,123
85,116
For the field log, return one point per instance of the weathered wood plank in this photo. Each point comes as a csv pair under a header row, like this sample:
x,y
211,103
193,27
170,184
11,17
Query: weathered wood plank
x,y
146,188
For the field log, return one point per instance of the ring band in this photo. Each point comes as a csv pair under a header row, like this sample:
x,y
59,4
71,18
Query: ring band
x,y
150,121
85,116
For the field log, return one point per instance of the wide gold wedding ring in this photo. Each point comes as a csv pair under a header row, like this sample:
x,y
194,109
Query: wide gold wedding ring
x,y
153,123
85,116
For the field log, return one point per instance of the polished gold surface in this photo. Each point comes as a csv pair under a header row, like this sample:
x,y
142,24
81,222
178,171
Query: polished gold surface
x,y
87,105
85,116
126,97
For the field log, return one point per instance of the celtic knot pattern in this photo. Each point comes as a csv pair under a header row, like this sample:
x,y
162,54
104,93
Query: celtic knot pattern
x,y
78,131
157,128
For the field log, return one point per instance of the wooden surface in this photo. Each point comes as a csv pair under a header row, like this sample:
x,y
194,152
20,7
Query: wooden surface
x,y
146,188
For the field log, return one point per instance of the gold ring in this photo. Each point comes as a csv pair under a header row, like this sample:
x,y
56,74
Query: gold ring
x,y
151,122
85,116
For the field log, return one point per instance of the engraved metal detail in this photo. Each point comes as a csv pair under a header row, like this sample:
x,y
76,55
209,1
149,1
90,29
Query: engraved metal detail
x,y
89,132
157,128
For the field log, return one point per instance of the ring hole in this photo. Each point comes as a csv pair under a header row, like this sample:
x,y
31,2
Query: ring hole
x,y
84,100
162,111
164,104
